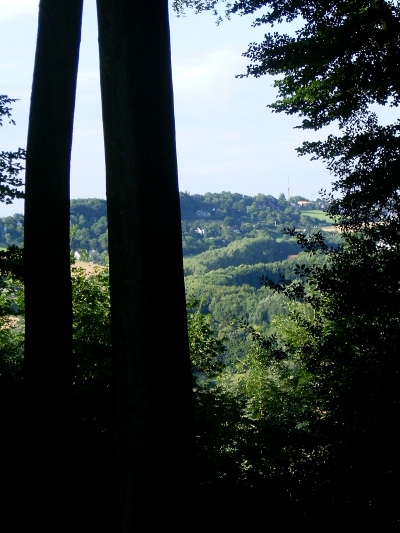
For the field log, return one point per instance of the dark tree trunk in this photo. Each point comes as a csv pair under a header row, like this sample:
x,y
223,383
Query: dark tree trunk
x,y
47,378
154,429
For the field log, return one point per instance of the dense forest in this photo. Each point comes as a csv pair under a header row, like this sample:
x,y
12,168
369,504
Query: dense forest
x,y
229,311
229,242
208,221
261,311
261,409
267,404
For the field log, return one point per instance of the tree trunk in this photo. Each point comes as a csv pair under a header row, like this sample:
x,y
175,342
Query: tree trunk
x,y
154,428
48,343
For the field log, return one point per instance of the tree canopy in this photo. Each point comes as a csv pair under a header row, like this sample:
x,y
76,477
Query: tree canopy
x,y
335,62
340,57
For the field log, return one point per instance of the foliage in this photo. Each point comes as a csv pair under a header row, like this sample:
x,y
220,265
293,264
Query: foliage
x,y
89,233
11,262
91,311
341,58
348,343
338,65
92,352
229,440
12,230
205,348
283,402
263,249
10,162
259,424
215,220
210,222
11,350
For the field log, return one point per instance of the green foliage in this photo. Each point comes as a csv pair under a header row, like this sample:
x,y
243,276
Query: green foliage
x,y
92,350
209,222
343,327
91,310
205,348
247,251
273,381
226,434
341,57
235,293
212,221
10,162
11,262
11,346
12,230
89,233
338,64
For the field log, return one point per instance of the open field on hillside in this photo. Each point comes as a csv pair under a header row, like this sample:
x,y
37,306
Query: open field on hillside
x,y
316,213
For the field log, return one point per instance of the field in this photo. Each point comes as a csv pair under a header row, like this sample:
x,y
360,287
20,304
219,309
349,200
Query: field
x,y
315,213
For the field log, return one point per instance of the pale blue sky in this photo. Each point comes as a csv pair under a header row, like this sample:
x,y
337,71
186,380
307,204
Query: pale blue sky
x,y
227,139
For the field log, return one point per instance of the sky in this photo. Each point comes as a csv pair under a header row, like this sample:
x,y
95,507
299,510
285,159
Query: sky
x,y
227,138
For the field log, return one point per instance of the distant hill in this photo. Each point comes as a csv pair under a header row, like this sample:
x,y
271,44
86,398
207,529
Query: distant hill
x,y
210,221
229,242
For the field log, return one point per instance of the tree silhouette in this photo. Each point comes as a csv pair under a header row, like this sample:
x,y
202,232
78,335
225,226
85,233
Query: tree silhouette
x,y
152,369
153,422
48,341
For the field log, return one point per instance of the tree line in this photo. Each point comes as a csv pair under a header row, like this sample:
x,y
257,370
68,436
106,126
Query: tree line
x,y
208,221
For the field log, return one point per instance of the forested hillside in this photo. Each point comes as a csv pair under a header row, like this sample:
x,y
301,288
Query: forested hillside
x,y
229,242
238,399
271,357
209,221
214,220
89,234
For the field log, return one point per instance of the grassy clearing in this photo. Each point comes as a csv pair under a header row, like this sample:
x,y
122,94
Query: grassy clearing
x,y
315,213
